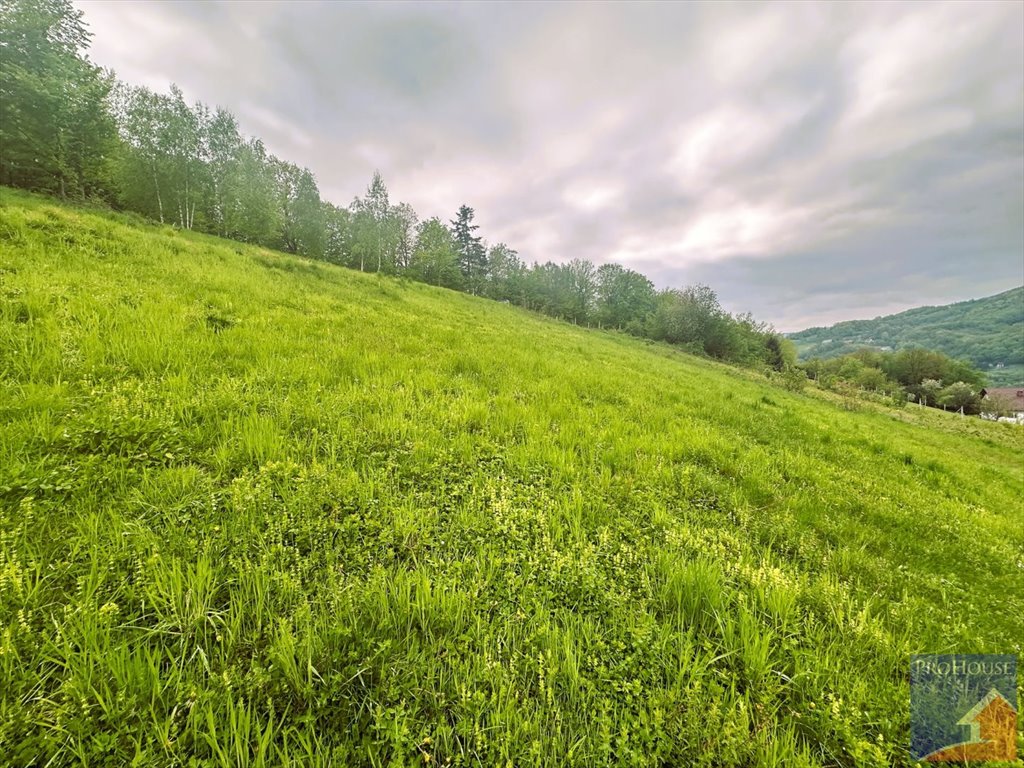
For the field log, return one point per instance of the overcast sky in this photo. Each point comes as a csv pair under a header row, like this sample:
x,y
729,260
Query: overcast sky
x,y
811,162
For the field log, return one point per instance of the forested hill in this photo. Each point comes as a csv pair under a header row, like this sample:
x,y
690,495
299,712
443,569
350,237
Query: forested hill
x,y
989,332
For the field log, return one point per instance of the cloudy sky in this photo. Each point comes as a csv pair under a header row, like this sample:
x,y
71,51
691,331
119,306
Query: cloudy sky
x,y
811,162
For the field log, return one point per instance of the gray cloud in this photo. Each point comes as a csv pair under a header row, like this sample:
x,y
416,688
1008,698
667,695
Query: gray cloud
x,y
812,162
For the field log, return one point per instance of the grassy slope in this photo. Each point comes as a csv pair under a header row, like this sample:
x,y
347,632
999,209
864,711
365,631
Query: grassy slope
x,y
258,510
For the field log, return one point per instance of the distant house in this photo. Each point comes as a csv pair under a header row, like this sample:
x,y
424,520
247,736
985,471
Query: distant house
x,y
1003,404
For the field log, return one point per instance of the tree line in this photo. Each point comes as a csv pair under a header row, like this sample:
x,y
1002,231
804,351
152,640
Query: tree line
x,y
71,129
919,375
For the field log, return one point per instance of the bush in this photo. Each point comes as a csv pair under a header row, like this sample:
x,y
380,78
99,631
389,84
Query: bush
x,y
793,378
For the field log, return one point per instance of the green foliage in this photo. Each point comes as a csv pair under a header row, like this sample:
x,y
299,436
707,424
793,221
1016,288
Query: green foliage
x,y
505,275
256,218
912,366
793,378
872,379
624,298
961,395
693,319
374,237
434,261
691,316
924,375
470,251
929,390
55,129
258,510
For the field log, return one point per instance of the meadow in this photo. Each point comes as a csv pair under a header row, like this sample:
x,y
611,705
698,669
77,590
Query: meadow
x,y
261,511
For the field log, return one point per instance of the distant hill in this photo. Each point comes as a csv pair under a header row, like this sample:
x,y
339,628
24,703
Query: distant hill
x,y
988,332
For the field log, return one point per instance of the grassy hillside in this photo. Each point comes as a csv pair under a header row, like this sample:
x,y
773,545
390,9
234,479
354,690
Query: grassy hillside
x,y
261,511
988,332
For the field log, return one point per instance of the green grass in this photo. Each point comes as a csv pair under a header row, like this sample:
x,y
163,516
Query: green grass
x,y
261,511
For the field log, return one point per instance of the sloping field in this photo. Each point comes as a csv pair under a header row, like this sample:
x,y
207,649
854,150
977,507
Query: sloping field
x,y
261,511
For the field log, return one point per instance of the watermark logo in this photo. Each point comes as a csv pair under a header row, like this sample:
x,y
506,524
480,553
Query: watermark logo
x,y
963,708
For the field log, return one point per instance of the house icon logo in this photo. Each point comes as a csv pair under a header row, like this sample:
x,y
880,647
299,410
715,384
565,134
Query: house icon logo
x,y
993,724
963,708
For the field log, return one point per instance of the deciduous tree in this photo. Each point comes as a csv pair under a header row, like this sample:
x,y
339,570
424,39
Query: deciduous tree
x,y
434,259
55,127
